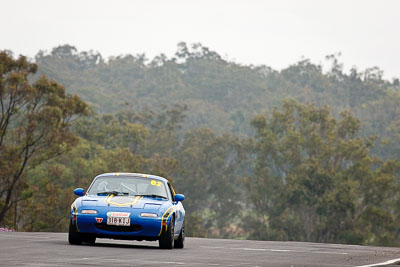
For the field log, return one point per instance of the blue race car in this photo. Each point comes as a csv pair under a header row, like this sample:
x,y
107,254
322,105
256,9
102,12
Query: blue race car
x,y
128,206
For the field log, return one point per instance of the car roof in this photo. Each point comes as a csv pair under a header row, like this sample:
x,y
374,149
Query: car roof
x,y
143,175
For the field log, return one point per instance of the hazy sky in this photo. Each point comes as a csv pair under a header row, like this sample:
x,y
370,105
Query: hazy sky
x,y
275,33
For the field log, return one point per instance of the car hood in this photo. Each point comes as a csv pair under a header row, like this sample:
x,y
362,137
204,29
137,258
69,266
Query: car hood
x,y
137,202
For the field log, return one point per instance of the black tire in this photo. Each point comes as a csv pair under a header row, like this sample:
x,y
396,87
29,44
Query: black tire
x,y
180,242
74,237
167,237
89,239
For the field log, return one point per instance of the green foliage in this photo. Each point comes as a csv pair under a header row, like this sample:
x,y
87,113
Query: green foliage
x,y
224,95
34,125
315,180
322,172
207,175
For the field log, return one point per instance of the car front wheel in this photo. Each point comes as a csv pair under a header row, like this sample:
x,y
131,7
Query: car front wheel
x,y
74,237
167,238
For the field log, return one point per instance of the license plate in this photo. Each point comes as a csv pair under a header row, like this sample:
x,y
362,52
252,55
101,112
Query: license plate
x,y
118,218
120,221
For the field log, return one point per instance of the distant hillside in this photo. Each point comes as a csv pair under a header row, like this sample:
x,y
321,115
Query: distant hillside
x,y
259,153
223,95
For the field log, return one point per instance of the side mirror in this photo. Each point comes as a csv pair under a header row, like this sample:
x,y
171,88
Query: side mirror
x,y
79,192
179,197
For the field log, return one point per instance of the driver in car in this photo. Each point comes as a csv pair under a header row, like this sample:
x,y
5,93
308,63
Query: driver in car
x,y
109,186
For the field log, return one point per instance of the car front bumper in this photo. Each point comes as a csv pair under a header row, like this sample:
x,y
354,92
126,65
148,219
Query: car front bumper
x,y
141,228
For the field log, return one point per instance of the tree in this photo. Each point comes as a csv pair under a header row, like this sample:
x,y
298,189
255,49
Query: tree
x,y
315,181
208,176
34,124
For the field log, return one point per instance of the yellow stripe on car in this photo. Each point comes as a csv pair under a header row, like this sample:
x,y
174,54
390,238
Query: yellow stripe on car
x,y
165,219
134,202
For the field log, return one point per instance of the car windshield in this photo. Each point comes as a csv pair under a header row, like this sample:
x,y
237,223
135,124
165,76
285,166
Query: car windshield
x,y
128,186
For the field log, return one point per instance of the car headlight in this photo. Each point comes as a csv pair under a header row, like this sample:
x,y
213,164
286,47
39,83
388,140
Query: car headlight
x,y
89,211
149,215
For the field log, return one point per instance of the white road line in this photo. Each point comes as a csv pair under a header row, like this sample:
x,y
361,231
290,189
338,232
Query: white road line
x,y
304,251
282,250
256,249
382,263
326,252
210,247
140,261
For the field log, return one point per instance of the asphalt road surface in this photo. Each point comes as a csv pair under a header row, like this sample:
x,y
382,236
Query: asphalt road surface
x,y
52,249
